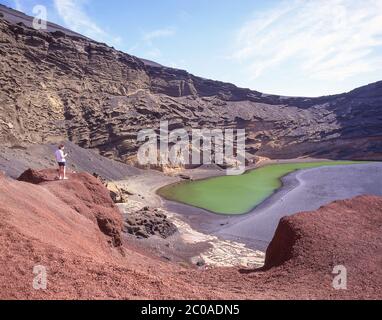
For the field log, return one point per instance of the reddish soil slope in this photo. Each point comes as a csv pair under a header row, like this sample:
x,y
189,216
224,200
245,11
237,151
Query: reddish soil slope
x,y
73,228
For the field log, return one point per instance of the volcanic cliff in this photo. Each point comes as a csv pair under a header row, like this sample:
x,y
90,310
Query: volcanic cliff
x,y
58,85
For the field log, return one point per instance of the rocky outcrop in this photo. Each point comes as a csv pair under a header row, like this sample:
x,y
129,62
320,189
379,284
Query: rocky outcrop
x,y
41,228
341,233
149,222
118,194
35,177
85,195
58,85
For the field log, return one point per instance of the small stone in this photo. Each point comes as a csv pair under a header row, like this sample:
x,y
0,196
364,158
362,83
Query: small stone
x,y
166,258
200,263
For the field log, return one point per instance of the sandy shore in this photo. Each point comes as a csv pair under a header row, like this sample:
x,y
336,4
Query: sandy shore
x,y
193,246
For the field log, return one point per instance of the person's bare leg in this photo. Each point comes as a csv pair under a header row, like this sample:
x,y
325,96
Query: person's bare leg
x,y
64,173
60,173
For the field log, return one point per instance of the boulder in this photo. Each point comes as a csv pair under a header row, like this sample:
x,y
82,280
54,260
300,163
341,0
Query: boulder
x,y
148,222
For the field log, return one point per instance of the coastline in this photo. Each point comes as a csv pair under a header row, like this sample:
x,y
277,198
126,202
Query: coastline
x,y
162,191
279,205
255,229
305,190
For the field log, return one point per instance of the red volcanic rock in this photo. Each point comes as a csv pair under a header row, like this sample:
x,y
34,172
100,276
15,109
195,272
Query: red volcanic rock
x,y
344,232
57,224
308,246
34,176
86,195
66,225
281,248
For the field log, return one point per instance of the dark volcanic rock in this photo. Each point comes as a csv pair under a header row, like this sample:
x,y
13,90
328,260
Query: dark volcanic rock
x,y
185,177
148,222
58,85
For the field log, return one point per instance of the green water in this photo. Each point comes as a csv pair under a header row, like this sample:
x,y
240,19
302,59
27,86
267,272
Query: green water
x,y
237,194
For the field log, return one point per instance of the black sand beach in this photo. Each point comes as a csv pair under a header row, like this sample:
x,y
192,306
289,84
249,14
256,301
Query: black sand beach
x,y
304,190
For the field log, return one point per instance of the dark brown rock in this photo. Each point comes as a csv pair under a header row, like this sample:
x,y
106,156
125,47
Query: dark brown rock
x,y
35,177
149,222
99,98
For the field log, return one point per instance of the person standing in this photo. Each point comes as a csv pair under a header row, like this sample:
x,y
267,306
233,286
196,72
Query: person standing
x,y
61,160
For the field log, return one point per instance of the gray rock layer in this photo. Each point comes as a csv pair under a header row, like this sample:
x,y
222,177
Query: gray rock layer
x,y
57,86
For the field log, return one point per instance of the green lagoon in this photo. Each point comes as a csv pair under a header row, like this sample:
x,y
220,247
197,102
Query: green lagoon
x,y
237,195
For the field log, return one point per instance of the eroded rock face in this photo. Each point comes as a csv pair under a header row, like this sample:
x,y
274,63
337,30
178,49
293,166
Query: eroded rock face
x,y
56,86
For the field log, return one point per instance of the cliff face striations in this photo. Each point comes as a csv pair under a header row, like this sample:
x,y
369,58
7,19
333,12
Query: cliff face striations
x,y
57,85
